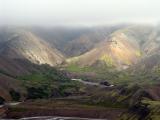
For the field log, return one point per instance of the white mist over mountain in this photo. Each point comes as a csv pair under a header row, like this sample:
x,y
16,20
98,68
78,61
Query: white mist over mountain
x,y
78,12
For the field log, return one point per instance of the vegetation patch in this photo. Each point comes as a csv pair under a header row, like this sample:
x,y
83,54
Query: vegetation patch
x,y
76,68
108,60
51,83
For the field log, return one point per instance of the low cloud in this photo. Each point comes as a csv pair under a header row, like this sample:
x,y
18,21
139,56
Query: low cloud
x,y
78,12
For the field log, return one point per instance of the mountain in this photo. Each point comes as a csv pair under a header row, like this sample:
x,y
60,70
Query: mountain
x,y
120,49
8,84
152,45
22,44
74,41
118,46
19,50
150,52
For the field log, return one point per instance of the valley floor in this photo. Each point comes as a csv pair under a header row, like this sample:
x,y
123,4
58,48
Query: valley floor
x,y
62,108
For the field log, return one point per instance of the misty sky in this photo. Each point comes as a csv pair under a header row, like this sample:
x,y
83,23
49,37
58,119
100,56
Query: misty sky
x,y
78,12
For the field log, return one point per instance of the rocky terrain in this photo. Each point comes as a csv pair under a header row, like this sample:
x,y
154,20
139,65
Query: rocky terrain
x,y
22,44
122,49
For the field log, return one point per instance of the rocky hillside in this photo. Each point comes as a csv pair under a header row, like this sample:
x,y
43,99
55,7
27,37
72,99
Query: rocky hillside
x,y
74,41
123,48
22,44
118,46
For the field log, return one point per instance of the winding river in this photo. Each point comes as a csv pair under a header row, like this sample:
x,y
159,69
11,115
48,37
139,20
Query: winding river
x,y
91,83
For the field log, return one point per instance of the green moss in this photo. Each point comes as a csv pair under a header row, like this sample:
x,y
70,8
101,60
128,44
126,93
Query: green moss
x,y
107,59
121,98
138,53
113,94
76,68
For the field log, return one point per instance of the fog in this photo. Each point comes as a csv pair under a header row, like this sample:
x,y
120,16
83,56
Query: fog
x,y
78,12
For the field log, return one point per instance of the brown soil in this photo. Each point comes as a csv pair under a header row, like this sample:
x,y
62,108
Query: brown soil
x,y
154,92
29,111
3,112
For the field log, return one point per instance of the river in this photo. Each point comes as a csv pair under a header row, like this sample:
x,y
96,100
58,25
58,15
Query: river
x,y
91,83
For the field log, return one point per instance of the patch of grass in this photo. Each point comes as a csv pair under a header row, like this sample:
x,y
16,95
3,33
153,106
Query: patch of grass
x,y
76,68
50,83
108,60
152,103
139,53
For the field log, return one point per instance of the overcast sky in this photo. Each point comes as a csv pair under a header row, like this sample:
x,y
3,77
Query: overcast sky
x,y
78,12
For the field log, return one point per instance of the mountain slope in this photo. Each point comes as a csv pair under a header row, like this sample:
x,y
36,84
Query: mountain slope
x,y
8,84
152,45
121,49
74,41
23,44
